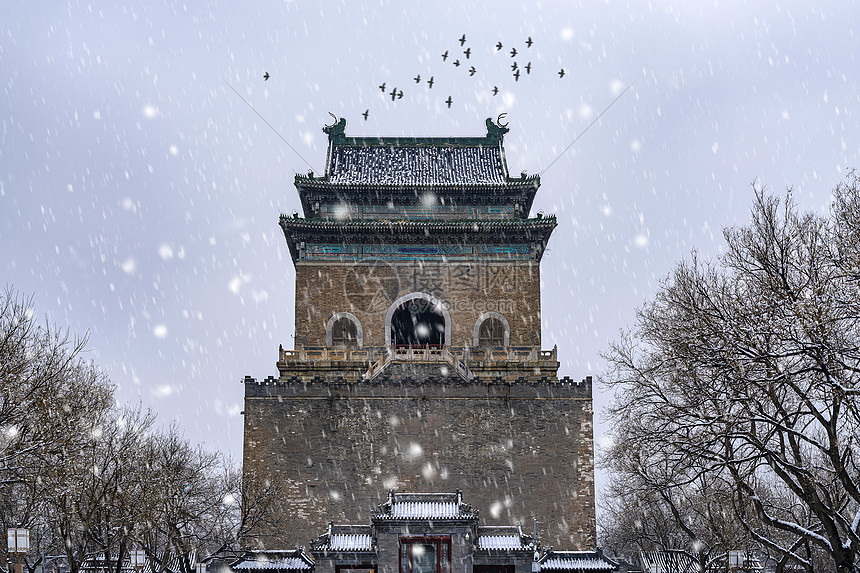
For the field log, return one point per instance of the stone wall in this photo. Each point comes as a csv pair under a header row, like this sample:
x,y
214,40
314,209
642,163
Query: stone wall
x,y
467,290
519,452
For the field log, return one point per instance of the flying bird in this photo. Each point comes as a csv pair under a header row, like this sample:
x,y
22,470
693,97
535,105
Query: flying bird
x,y
456,63
517,76
382,87
430,82
472,71
445,56
498,46
529,42
463,40
365,114
495,90
468,52
266,77
561,73
514,67
513,52
449,101
529,68
396,94
417,79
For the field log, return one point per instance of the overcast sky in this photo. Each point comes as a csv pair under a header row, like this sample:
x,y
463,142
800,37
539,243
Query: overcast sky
x,y
139,194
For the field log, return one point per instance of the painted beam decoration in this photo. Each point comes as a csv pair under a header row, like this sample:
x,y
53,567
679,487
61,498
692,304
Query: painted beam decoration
x,y
394,253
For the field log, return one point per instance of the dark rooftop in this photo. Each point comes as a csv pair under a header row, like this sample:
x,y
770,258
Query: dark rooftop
x,y
415,161
420,166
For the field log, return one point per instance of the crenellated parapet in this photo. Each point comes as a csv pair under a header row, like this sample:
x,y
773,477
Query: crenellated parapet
x,y
440,387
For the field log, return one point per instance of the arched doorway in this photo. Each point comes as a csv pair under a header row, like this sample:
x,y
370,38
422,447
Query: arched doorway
x,y
417,320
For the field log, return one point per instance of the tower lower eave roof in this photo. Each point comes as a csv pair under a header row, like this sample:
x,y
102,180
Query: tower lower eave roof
x,y
381,231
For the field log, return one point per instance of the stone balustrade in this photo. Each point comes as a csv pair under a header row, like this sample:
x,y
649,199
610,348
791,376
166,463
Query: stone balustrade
x,y
468,362
371,354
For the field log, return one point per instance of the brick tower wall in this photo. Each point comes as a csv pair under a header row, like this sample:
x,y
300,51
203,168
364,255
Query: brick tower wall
x,y
518,451
466,289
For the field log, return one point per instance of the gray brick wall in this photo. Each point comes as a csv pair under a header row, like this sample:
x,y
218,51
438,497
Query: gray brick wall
x,y
519,452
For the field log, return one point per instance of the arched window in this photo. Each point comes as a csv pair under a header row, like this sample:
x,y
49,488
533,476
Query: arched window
x,y
344,333
491,333
343,330
491,329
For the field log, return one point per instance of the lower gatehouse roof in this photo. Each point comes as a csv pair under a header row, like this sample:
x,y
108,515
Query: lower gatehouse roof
x,y
408,514
570,561
504,538
274,560
424,506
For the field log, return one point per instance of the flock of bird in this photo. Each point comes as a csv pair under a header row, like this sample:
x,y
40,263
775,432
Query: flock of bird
x,y
397,94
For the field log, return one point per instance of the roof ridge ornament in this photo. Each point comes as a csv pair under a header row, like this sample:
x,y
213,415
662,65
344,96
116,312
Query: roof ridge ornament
x,y
496,131
337,130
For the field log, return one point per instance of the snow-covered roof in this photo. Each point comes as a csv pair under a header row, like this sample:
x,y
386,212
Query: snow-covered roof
x,y
272,560
576,561
668,560
425,506
503,538
417,165
416,161
167,562
425,509
460,171
351,542
544,222
291,563
345,538
513,236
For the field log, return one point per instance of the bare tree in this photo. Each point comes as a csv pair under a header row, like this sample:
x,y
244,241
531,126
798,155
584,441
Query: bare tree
x,y
94,494
250,513
91,479
657,508
39,365
185,495
744,371
48,397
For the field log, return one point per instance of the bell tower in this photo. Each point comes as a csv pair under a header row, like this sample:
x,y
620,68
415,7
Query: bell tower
x,y
417,362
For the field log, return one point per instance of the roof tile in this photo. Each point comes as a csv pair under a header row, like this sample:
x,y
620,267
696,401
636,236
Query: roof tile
x,y
417,165
425,506
270,560
351,542
508,542
576,561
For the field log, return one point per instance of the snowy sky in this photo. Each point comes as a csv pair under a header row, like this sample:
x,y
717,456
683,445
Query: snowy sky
x,y
139,195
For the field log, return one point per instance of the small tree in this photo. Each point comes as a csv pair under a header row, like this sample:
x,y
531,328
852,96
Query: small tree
x,y
184,492
249,513
650,507
744,372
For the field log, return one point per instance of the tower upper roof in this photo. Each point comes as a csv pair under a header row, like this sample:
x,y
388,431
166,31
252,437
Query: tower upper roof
x,y
417,162
374,170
